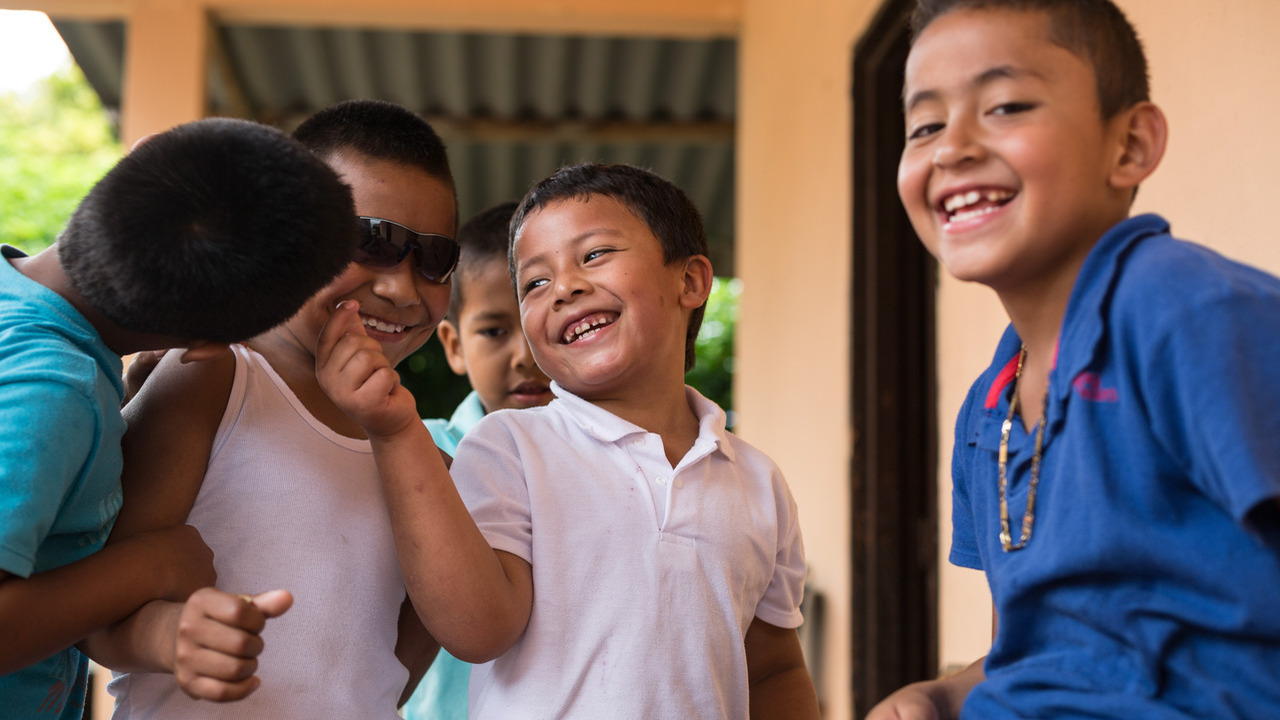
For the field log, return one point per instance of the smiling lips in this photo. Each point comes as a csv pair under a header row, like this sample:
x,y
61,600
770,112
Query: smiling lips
x,y
587,327
974,204
382,326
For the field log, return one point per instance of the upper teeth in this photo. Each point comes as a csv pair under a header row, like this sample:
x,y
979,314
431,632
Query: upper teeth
x,y
584,326
382,326
963,200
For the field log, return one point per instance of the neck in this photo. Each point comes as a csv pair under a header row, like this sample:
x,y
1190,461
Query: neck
x,y
666,414
46,269
295,363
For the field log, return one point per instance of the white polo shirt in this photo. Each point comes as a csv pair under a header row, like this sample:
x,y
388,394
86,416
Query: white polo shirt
x,y
645,577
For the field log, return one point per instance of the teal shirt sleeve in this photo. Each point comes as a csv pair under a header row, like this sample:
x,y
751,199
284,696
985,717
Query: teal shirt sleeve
x,y
46,438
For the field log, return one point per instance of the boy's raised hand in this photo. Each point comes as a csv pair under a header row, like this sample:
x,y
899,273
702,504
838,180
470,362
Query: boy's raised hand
x,y
358,377
218,640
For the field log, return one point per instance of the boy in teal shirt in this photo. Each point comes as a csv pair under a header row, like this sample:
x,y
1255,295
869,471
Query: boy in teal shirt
x,y
482,339
203,235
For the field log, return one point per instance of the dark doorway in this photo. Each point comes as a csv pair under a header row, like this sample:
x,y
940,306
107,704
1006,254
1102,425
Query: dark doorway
x,y
894,473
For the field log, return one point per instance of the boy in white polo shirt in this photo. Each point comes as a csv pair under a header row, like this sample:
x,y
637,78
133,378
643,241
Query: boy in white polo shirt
x,y
668,560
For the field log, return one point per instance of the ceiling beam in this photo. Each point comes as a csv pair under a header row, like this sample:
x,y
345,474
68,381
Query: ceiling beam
x,y
659,18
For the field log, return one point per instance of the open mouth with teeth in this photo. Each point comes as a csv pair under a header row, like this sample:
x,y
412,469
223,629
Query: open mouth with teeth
x,y
382,326
587,326
974,204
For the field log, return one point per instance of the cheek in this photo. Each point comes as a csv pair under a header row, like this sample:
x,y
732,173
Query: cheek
x,y
436,298
911,180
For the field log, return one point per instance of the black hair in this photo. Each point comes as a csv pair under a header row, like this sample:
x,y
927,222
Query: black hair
x,y
215,230
1096,31
376,129
482,238
659,203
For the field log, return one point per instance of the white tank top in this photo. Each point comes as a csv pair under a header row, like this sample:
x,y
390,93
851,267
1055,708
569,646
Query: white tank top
x,y
289,503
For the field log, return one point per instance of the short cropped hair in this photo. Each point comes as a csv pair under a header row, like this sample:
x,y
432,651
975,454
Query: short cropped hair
x,y
1096,31
376,129
669,213
482,238
215,230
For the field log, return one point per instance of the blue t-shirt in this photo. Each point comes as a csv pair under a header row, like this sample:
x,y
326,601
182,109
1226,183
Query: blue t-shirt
x,y
442,694
60,462
1150,586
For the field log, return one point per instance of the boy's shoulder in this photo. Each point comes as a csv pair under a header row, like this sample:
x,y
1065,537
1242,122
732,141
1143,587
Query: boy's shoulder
x,y
43,338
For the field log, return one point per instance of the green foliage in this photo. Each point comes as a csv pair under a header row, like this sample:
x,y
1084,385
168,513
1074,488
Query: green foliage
x,y
438,390
712,374
55,142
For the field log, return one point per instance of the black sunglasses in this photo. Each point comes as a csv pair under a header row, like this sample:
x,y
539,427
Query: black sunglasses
x,y
385,244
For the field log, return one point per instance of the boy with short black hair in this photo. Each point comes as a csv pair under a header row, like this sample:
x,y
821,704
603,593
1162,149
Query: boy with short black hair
x,y
204,234
668,561
482,339
1115,470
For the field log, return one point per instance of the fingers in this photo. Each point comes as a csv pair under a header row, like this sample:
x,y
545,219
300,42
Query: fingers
x,y
218,642
344,321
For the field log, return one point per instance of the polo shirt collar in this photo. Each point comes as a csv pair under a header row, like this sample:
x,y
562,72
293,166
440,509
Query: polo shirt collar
x,y
1084,323
607,427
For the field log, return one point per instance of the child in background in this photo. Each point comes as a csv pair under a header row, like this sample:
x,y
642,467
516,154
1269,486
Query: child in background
x,y
482,339
667,559
281,484
1116,470
206,234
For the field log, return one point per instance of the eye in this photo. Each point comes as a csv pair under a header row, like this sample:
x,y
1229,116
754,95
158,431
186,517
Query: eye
x,y
1012,108
593,254
531,285
923,131
492,333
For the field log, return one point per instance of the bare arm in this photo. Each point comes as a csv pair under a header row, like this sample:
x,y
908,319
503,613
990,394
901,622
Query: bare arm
x,y
780,684
474,600
939,699
52,609
172,420
415,648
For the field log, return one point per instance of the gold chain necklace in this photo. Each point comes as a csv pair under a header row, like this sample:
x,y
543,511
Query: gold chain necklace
x,y
1029,517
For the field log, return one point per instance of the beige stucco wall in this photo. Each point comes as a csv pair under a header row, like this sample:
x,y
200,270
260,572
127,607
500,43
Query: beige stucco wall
x,y
1213,68
794,199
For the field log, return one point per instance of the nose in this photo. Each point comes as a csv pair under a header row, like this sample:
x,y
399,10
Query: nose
x,y
522,358
568,285
399,285
957,145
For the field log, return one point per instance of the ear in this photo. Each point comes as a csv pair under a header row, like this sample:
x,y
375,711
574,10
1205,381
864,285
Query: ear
x,y
451,341
1142,132
198,350
697,282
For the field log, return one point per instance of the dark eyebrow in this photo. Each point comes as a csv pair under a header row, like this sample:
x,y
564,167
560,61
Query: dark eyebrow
x,y
984,78
575,240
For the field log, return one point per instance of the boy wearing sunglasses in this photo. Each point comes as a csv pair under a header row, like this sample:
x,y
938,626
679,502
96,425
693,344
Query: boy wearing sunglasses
x,y
174,247
282,485
667,562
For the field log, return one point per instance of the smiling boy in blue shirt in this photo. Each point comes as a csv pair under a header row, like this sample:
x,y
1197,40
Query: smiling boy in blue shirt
x,y
1116,470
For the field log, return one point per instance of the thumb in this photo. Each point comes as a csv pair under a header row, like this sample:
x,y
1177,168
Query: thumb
x,y
273,603
345,320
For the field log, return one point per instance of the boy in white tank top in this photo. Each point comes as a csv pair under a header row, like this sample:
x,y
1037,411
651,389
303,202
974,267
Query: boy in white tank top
x,y
281,483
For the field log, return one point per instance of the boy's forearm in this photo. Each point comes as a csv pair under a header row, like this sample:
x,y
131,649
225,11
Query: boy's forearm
x,y
53,610
142,642
473,602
